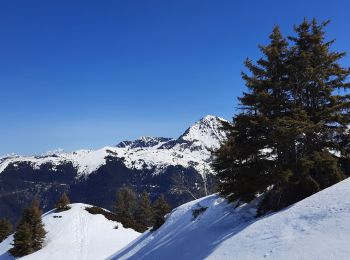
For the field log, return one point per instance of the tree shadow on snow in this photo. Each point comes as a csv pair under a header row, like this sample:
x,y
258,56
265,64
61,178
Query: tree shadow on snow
x,y
190,241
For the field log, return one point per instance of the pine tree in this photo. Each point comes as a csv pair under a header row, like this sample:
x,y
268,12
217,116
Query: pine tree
x,y
5,229
319,113
125,206
315,78
243,169
37,225
22,240
30,233
291,118
62,204
144,212
160,209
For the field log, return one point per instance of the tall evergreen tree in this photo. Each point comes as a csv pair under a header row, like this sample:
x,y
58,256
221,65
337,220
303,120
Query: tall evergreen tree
x,y
144,212
315,80
319,115
5,229
291,119
244,162
30,233
62,204
160,209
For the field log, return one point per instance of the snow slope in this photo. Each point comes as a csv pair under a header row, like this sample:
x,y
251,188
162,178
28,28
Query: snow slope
x,y
77,235
315,228
193,148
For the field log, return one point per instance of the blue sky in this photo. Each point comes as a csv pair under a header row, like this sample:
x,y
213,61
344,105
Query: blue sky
x,y
84,74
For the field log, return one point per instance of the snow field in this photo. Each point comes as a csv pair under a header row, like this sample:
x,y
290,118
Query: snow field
x,y
316,228
77,234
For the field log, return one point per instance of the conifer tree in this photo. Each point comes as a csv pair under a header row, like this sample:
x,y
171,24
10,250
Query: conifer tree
x,y
144,212
62,204
243,169
125,206
30,233
5,229
291,118
22,240
160,209
37,225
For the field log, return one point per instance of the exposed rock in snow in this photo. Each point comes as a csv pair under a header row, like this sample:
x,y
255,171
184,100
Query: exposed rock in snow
x,y
77,234
315,228
144,141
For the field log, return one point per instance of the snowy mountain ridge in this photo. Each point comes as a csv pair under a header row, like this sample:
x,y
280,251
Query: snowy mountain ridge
x,y
144,141
193,148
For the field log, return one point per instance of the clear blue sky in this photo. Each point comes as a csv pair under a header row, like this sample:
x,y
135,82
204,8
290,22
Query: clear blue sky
x,y
84,74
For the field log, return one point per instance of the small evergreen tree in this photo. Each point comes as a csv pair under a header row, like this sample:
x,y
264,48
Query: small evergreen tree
x,y
144,212
30,233
22,240
125,206
37,226
160,209
62,204
5,229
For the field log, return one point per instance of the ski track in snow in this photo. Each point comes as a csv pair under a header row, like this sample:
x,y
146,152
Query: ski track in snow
x,y
77,235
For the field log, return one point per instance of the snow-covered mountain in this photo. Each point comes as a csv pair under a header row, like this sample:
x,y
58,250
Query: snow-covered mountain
x,y
156,164
193,148
77,234
315,228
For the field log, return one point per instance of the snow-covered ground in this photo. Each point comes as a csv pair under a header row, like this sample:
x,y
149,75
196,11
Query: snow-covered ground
x,y
77,235
193,148
315,228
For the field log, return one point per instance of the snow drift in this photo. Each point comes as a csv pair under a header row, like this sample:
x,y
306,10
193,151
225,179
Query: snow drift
x,y
77,234
316,228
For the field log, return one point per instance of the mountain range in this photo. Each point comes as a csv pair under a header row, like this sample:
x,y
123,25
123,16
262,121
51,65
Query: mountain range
x,y
178,168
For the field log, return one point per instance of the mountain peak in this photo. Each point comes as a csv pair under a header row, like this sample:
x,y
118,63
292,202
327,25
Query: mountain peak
x,y
211,118
207,131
